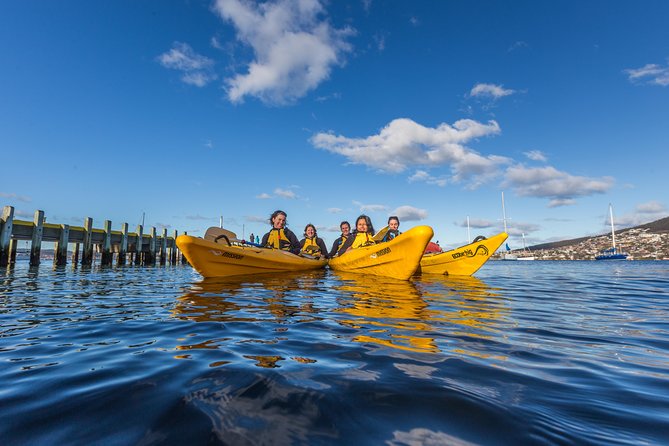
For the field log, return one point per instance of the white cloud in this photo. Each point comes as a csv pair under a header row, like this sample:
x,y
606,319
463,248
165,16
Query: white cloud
x,y
410,213
334,210
198,217
256,219
285,193
422,176
490,91
536,155
13,196
380,41
280,192
548,182
652,207
370,207
404,143
196,69
643,213
558,202
26,214
294,48
517,45
476,223
652,74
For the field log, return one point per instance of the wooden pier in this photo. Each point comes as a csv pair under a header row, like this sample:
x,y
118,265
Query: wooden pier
x,y
125,247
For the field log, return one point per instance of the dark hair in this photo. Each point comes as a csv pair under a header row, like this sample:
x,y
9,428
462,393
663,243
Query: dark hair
x,y
274,214
307,227
344,223
394,217
370,227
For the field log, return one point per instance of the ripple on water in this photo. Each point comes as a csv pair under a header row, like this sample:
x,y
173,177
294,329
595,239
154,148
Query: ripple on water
x,y
538,352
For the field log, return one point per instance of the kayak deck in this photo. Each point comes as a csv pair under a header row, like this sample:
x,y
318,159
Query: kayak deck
x,y
219,259
398,258
462,261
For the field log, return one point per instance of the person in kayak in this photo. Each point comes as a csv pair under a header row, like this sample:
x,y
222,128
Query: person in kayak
x,y
280,237
393,225
345,234
362,236
312,244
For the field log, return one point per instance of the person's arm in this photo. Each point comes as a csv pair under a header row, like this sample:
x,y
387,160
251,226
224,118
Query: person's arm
x,y
294,242
335,245
347,244
321,245
264,239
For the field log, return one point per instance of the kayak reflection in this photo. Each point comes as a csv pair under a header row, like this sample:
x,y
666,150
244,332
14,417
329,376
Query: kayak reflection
x,y
471,311
385,311
251,298
255,313
433,315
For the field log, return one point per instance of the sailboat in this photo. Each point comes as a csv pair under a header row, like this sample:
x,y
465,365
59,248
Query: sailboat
x,y
613,253
526,254
508,255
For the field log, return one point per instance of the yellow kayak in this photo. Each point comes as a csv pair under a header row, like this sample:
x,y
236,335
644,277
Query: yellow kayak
x,y
398,258
224,258
462,261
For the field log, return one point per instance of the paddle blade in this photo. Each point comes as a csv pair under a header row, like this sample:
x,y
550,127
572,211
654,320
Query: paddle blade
x,y
379,235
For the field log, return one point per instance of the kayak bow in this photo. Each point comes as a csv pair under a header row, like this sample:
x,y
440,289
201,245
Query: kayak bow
x,y
398,258
462,261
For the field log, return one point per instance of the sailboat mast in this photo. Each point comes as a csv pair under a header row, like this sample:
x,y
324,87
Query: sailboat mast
x,y
503,213
613,233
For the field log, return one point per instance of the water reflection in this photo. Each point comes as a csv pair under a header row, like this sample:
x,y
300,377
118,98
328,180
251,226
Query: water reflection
x,y
267,306
387,312
472,311
434,314
431,315
251,298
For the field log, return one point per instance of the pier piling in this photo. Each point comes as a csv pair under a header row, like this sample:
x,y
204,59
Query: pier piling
x,y
36,243
163,248
85,242
107,255
87,255
7,221
60,252
138,245
123,247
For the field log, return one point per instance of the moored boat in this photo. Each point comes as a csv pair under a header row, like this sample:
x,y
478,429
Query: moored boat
x,y
224,255
398,258
613,253
462,261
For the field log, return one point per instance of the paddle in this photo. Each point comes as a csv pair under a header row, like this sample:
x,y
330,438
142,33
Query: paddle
x,y
379,235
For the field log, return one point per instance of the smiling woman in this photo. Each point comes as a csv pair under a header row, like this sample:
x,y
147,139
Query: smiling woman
x,y
280,237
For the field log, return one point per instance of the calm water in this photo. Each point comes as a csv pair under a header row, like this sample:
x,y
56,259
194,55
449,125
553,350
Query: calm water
x,y
525,353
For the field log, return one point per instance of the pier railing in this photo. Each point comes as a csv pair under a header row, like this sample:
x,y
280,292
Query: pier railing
x,y
132,247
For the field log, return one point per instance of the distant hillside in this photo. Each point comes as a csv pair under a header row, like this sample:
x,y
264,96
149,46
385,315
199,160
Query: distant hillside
x,y
657,227
660,226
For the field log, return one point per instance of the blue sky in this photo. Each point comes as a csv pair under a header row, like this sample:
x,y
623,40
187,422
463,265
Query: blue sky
x,y
186,111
